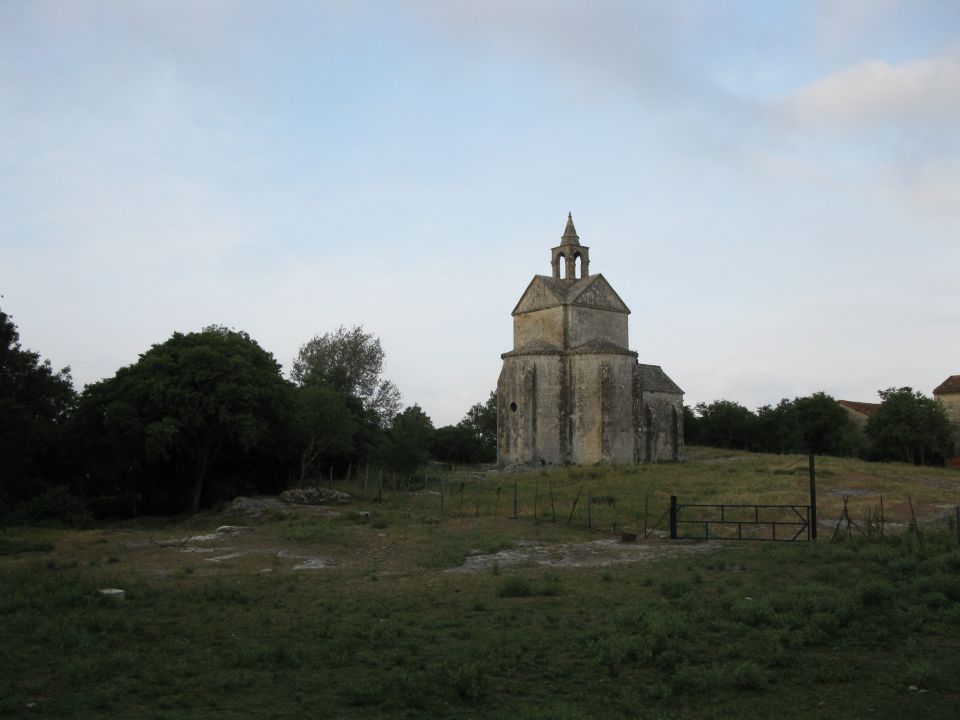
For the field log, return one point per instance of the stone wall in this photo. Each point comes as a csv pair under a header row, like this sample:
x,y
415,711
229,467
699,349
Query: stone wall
x,y
951,405
660,437
539,325
528,411
588,324
601,408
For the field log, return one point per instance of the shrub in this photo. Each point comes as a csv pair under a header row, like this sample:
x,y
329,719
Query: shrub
x,y
515,586
874,594
749,676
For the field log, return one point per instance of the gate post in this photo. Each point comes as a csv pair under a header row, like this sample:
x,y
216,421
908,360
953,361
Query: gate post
x,y
673,517
813,498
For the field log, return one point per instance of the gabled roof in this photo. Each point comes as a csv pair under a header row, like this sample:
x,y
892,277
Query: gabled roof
x,y
595,291
863,408
542,292
950,385
592,291
654,379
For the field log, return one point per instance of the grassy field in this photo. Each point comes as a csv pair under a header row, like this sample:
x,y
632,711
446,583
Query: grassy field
x,y
383,626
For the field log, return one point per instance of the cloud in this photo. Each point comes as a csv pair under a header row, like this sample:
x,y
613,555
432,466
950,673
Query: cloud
x,y
876,92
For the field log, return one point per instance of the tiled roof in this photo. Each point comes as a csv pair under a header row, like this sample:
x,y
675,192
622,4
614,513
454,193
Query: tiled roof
x,y
860,407
950,385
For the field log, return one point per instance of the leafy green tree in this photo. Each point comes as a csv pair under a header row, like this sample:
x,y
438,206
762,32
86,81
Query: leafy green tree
x,y
691,426
35,401
322,426
481,422
456,444
824,425
908,426
187,406
408,442
726,424
778,428
350,361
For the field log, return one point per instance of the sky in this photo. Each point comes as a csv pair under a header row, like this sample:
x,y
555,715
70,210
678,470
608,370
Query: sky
x,y
773,188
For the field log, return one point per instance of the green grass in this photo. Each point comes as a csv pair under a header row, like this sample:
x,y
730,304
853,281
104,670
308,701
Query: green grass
x,y
631,496
712,635
827,630
17,545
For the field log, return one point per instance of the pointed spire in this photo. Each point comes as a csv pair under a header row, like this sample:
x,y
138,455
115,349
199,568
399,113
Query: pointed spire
x,y
569,236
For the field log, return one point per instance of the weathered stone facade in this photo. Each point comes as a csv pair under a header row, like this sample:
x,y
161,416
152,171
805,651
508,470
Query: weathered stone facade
x,y
947,394
571,390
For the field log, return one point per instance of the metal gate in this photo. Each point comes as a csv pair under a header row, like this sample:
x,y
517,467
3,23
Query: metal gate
x,y
776,523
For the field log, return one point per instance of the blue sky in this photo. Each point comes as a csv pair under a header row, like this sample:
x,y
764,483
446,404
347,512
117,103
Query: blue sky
x,y
772,187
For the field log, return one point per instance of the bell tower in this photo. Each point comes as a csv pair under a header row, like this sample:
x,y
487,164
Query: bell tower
x,y
563,258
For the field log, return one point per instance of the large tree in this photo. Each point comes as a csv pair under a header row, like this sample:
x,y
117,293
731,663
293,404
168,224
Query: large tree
x,y
824,425
778,428
322,427
727,424
908,426
408,442
481,422
473,439
182,408
350,361
34,401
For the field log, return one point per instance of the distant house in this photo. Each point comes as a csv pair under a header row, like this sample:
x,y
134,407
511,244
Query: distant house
x,y
947,394
859,412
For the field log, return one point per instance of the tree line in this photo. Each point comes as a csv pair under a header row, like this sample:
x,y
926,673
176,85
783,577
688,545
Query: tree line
x,y
907,427
204,416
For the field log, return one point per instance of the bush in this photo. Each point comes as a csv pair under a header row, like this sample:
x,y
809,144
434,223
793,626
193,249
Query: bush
x,y
55,505
749,676
515,586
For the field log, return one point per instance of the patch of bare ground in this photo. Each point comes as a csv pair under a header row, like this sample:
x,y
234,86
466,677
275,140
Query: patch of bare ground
x,y
595,553
938,481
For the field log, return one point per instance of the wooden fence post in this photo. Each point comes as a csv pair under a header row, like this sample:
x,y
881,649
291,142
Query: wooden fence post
x,y
536,496
553,508
646,507
673,517
913,520
813,498
574,508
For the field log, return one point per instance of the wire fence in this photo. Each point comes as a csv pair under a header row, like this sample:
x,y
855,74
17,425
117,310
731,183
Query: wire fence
x,y
641,513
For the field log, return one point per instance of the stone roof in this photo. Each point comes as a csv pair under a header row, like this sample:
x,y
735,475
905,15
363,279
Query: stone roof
x,y
566,292
654,379
863,408
600,346
569,236
537,347
950,385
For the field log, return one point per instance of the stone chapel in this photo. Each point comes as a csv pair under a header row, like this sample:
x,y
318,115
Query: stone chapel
x,y
571,390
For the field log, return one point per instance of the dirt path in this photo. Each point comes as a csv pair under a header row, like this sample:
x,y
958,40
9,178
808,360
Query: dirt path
x,y
596,553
